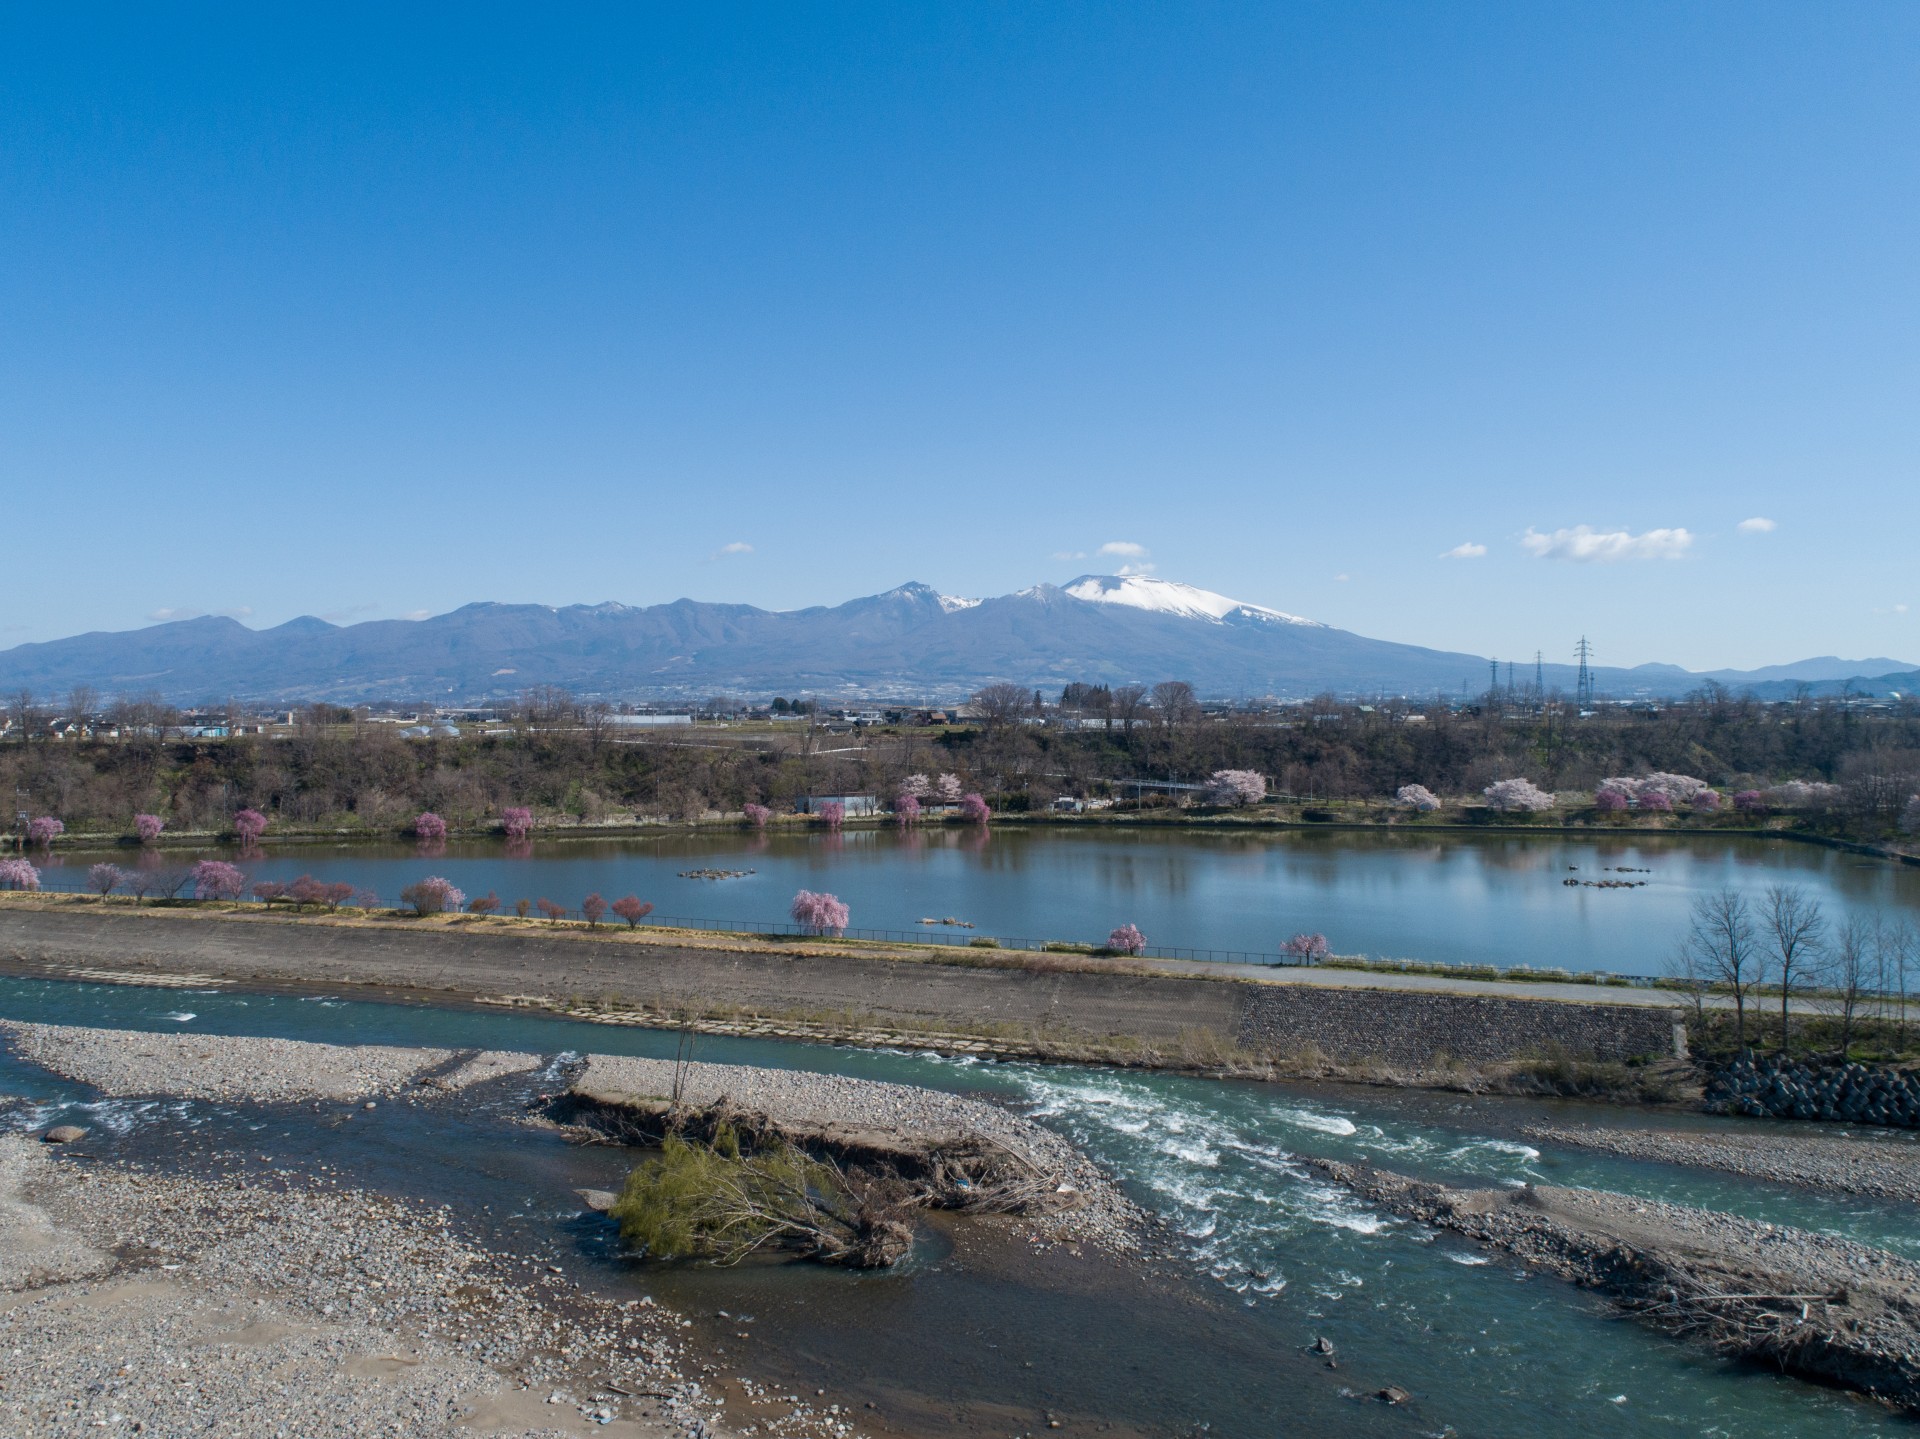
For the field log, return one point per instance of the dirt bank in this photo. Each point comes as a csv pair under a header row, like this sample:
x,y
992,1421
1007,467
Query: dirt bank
x,y
1817,1306
1039,1006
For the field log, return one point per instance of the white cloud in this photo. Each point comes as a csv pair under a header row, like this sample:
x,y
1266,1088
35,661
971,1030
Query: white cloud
x,y
1135,570
1127,549
1758,525
1342,579
735,547
1467,551
1585,545
1069,554
417,615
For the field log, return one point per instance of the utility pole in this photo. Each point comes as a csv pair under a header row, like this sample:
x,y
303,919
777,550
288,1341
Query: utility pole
x,y
1539,677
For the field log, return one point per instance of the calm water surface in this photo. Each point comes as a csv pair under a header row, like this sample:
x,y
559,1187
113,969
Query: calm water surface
x,y
1459,899
975,1339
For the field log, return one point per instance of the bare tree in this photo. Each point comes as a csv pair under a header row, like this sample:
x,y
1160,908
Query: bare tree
x,y
1174,702
82,701
21,711
1847,974
1895,949
1128,702
1723,947
1003,704
1794,928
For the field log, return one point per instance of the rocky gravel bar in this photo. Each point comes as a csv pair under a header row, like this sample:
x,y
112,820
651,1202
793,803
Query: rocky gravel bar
x,y
1818,1306
271,1303
1883,1165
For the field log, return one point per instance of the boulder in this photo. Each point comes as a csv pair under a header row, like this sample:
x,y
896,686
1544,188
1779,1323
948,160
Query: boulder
x,y
64,1134
598,1200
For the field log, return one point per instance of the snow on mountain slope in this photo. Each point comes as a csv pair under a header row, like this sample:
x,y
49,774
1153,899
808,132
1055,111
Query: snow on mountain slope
x,y
1170,597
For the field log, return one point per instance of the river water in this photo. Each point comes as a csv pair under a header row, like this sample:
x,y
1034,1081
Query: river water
x,y
1459,899
984,1335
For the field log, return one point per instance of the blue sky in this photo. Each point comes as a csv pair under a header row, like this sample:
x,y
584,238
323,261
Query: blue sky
x,y
375,311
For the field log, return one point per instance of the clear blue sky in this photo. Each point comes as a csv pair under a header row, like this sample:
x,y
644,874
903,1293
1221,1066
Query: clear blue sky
x,y
376,311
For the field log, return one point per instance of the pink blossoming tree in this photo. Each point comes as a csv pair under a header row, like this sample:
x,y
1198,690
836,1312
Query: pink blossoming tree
x,y
18,874
917,785
632,909
1517,796
758,815
516,822
1609,800
216,879
906,807
433,895
1417,797
488,903
1306,948
429,827
1127,939
973,807
820,913
44,831
249,824
1236,787
148,827
947,789
832,813
104,879
594,908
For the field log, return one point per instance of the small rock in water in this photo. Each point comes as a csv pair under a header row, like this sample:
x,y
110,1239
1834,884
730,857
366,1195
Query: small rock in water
x,y
598,1200
64,1134
1394,1394
369,1105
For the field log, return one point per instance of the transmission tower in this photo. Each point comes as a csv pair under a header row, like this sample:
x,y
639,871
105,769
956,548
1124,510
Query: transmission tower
x,y
1584,686
1539,677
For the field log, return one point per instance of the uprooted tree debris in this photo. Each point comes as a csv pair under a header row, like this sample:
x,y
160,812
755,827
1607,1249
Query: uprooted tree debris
x,y
729,1183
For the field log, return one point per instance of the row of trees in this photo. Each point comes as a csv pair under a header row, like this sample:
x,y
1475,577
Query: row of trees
x,y
1784,946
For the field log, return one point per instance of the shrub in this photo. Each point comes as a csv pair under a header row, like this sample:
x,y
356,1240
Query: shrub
x,y
758,815
216,879
433,895
338,892
521,906
632,909
594,908
983,941
268,890
1127,939
554,912
1517,796
148,827
366,899
516,822
429,826
1418,797
487,903
307,890
249,824
18,874
44,831
104,879
819,913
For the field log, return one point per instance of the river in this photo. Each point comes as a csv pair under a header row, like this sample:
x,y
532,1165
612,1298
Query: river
x,y
988,1338
1454,898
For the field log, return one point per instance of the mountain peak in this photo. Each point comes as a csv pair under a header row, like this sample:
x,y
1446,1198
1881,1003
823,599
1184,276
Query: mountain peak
x,y
1171,597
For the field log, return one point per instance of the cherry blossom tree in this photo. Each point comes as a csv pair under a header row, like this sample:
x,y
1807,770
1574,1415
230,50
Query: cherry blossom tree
x,y
1306,948
148,827
433,895
832,813
487,903
1750,801
820,913
1517,795
906,807
429,827
1417,797
249,824
1609,800
366,899
337,893
947,788
104,879
917,785
1127,939
268,890
1707,801
1236,787
973,807
632,909
594,908
758,815
18,874
306,890
44,831
1656,801
516,822
216,879
1804,794
554,912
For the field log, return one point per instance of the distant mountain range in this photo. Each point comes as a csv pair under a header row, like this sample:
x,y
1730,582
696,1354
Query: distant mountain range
x,y
909,643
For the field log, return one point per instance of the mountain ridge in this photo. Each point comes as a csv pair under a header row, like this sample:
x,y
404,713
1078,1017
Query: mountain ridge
x,y
908,642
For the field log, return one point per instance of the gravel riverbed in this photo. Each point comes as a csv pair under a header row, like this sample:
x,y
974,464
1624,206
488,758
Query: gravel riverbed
x,y
274,1303
1881,1163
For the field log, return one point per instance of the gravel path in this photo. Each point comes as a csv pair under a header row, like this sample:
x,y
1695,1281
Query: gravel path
x,y
204,1066
1884,1164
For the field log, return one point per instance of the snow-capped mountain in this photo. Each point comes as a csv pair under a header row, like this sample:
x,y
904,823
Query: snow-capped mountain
x,y
910,642
1170,597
